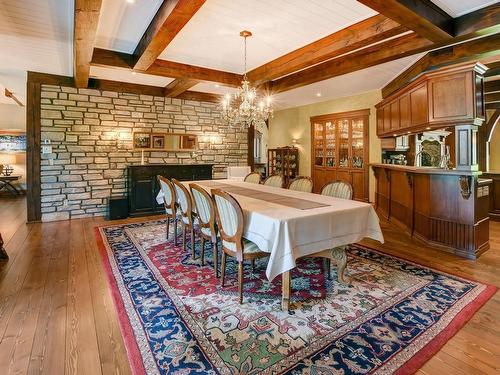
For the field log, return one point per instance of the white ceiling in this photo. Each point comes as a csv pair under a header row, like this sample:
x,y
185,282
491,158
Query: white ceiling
x,y
34,35
37,35
122,24
457,8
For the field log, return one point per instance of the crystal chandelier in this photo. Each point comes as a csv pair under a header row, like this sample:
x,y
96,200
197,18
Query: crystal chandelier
x,y
245,107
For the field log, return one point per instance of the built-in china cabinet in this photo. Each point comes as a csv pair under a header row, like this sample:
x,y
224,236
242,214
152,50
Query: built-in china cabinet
x,y
283,161
340,150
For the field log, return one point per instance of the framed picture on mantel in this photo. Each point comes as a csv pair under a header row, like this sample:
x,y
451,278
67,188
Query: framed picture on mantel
x,y
177,142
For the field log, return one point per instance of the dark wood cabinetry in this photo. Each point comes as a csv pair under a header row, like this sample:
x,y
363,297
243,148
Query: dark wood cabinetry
x,y
143,186
340,150
437,99
448,209
283,161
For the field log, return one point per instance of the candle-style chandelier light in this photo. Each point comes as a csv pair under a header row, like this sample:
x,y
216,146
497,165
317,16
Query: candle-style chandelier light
x,y
246,107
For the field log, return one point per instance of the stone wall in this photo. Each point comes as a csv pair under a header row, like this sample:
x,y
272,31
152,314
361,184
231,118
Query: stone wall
x,y
90,132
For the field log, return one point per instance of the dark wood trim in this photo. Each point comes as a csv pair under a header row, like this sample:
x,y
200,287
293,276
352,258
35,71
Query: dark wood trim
x,y
330,116
359,35
10,94
421,16
495,105
133,88
467,51
33,159
86,20
178,86
406,45
494,97
171,17
250,155
494,69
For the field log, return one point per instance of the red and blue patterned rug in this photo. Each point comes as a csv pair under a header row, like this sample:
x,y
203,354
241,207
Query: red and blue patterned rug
x,y
176,319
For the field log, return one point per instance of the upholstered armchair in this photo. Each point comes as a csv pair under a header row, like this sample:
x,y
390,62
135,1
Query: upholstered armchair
x,y
337,189
185,212
169,202
253,178
274,180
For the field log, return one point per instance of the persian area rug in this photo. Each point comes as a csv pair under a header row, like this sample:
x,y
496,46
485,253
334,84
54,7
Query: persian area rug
x,y
176,319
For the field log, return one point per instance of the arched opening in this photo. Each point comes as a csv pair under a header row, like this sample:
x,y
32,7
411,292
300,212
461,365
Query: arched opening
x,y
493,142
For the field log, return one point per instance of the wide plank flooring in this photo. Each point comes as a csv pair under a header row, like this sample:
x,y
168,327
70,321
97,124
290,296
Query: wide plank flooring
x,y
57,315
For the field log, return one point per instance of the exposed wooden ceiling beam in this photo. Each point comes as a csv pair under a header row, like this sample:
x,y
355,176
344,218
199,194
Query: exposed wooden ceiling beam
x,y
200,96
164,68
178,86
421,16
359,35
493,69
482,21
171,17
492,86
179,70
475,49
85,27
393,49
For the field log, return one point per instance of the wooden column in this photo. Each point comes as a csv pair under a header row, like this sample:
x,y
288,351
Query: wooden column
x,y
250,155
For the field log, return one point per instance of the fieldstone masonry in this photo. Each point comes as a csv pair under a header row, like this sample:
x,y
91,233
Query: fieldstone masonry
x,y
90,132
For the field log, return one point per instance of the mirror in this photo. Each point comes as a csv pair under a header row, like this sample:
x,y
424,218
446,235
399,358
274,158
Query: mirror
x,y
165,141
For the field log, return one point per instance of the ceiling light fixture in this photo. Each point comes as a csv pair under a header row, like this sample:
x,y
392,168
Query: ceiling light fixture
x,y
130,1
318,94
134,73
246,107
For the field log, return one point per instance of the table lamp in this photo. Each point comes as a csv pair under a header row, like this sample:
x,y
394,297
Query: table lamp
x,y
7,160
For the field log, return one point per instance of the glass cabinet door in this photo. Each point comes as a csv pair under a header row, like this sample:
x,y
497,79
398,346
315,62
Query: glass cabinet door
x,y
357,143
343,126
319,144
330,144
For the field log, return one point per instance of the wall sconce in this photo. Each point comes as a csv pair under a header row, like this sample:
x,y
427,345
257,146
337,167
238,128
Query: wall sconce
x,y
295,142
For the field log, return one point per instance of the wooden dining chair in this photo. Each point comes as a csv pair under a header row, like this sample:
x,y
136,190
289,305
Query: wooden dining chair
x,y
343,190
205,210
230,222
337,189
185,210
253,178
169,202
301,183
274,180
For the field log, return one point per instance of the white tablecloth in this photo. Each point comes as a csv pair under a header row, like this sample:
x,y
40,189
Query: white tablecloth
x,y
290,233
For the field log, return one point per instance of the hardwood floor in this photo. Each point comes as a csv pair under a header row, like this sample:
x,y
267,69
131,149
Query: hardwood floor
x,y
57,315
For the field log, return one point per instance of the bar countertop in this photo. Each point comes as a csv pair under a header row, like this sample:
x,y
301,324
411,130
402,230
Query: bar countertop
x,y
426,170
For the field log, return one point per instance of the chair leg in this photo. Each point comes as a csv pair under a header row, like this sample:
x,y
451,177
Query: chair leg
x,y
202,251
223,268
184,237
253,265
168,226
240,281
175,231
192,243
216,257
328,268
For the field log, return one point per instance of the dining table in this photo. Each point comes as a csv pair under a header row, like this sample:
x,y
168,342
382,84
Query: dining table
x,y
291,224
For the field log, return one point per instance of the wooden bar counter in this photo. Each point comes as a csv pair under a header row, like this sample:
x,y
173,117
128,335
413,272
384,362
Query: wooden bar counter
x,y
445,208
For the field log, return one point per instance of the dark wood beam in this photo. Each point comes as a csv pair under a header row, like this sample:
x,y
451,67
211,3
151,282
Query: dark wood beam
x,y
492,86
171,17
421,16
9,94
178,86
359,35
475,49
493,69
494,97
482,21
85,27
393,49
179,70
164,68
200,96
